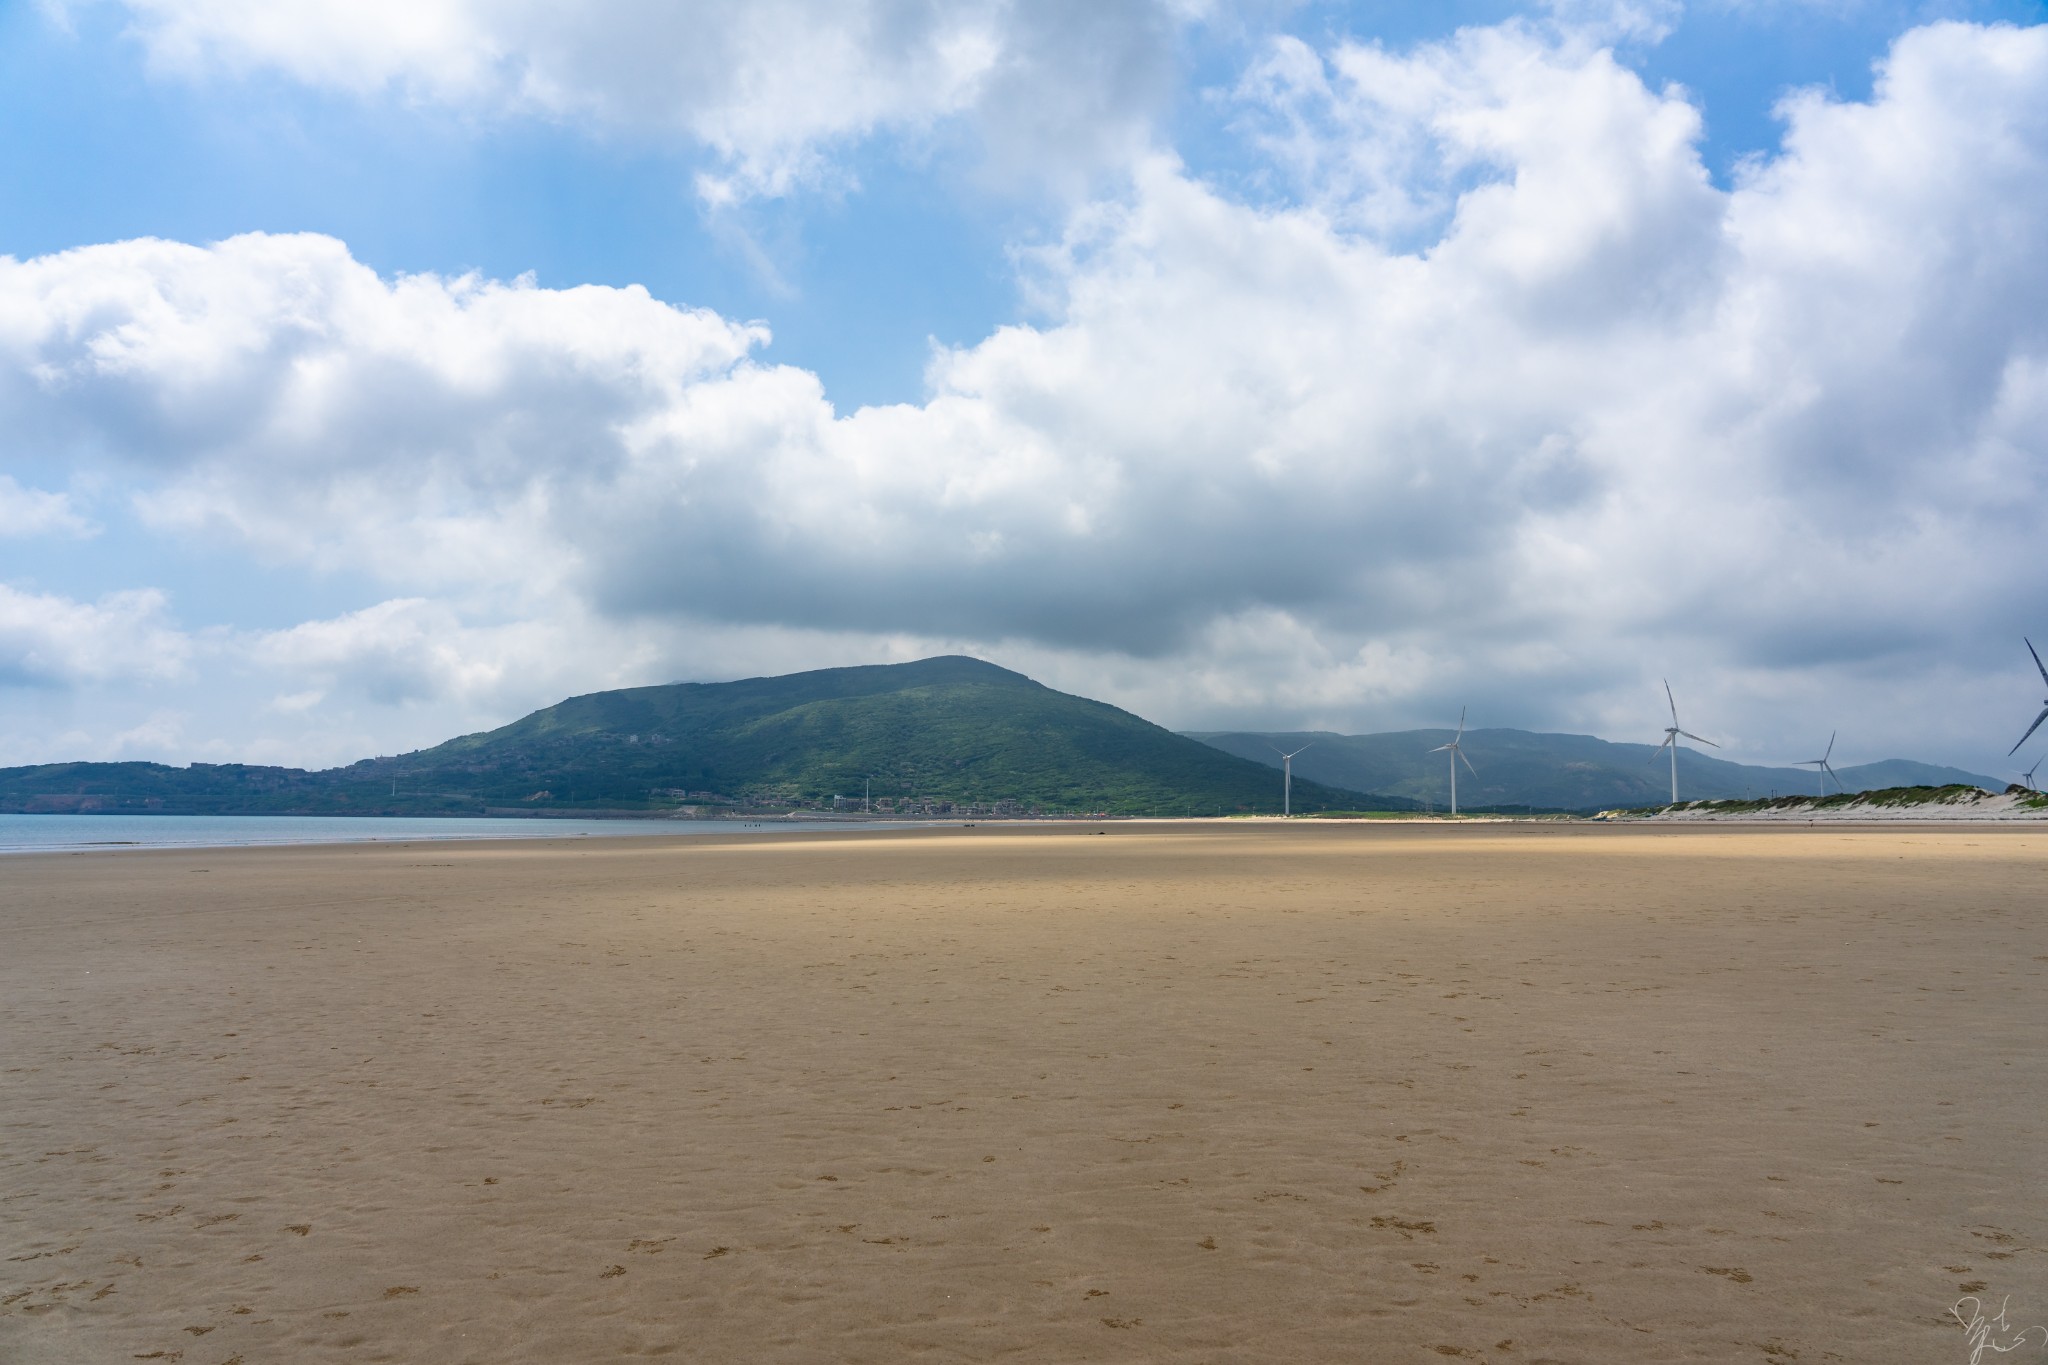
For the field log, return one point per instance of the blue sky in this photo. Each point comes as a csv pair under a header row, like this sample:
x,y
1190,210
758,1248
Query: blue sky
x,y
990,255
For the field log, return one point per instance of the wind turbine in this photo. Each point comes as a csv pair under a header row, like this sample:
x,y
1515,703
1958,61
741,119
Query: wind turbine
x,y
2044,705
2027,777
1824,771
1287,776
1456,755
1672,734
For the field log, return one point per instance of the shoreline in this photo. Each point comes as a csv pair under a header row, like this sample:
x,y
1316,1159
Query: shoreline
x,y
702,831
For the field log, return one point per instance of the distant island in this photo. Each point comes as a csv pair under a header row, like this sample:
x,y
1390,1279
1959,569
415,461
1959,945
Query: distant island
x,y
943,736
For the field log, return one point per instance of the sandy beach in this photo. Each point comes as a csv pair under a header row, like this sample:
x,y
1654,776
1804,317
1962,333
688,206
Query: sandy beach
x,y
1176,1093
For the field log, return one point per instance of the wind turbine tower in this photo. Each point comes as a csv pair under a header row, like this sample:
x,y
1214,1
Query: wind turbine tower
x,y
2044,705
1672,734
1823,770
1457,754
1287,777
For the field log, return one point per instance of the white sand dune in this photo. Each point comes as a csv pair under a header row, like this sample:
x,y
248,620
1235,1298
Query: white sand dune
x,y
1873,808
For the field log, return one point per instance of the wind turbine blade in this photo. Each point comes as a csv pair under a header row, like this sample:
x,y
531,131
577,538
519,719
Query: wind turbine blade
x,y
1831,744
1461,722
1467,762
1673,700
1690,735
2030,732
1441,747
2037,659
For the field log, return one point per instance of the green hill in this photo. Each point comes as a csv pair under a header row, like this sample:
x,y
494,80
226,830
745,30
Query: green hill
x,y
927,736
940,731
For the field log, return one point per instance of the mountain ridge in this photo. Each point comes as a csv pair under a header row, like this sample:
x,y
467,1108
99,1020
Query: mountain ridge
x,y
929,736
1551,771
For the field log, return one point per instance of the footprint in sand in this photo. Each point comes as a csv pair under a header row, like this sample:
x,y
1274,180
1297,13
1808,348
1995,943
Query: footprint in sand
x,y
1386,1178
1405,1227
60,1251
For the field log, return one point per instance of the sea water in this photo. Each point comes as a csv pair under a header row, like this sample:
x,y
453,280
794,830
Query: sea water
x,y
55,833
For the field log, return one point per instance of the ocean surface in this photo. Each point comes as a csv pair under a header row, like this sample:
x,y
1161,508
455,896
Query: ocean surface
x,y
47,833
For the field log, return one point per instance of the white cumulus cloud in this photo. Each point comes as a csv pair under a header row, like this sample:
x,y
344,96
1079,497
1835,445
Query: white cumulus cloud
x,y
774,89
416,650
34,512
1507,399
48,640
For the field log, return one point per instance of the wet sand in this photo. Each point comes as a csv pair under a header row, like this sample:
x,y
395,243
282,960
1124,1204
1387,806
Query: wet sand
x,y
1191,1093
